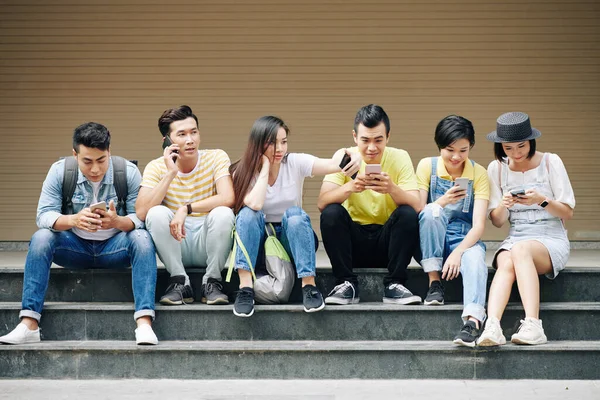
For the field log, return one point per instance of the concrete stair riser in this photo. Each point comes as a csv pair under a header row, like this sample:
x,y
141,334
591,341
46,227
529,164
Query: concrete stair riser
x,y
357,322
575,284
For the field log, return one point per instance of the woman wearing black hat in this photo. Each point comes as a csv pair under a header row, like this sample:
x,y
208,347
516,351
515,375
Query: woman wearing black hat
x,y
531,190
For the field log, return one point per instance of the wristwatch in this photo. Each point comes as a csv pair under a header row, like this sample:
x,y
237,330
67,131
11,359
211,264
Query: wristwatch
x,y
189,208
544,203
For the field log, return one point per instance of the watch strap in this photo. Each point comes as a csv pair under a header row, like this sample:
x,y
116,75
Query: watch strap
x,y
189,208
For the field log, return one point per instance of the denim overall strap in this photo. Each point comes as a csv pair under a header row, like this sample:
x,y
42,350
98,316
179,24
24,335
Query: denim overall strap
x,y
432,196
470,194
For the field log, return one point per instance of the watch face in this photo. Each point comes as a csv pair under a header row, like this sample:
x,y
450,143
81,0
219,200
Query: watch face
x,y
543,204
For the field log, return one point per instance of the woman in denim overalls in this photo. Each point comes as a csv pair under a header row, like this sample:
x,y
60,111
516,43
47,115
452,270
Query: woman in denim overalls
x,y
531,190
452,222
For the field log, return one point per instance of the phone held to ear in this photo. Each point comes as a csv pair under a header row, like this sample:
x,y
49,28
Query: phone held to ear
x,y
373,169
166,143
345,160
462,183
517,192
98,206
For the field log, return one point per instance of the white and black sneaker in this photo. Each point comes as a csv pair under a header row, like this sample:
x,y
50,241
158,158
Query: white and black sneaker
x,y
468,335
395,293
244,302
435,294
344,293
312,299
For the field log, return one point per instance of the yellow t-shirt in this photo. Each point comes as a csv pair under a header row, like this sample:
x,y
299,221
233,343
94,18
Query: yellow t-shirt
x,y
196,185
475,173
369,207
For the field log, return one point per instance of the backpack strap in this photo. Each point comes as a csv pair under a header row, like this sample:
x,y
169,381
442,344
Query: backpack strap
x,y
69,182
237,242
120,182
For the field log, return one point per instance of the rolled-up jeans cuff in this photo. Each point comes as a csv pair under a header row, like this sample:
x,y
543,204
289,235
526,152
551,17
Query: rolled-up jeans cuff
x,y
30,314
474,310
143,313
432,264
241,266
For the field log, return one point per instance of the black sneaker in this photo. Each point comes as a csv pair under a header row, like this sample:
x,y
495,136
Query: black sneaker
x,y
395,293
178,292
435,294
344,293
244,302
312,299
468,334
212,293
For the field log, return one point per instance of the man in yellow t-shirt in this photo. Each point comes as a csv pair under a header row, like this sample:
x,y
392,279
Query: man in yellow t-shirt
x,y
185,199
371,221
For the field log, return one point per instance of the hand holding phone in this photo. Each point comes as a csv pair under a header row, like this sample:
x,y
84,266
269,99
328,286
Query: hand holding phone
x,y
101,205
345,160
373,169
517,192
462,183
166,143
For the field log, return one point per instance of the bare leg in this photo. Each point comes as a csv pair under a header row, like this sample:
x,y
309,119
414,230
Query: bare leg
x,y
245,278
501,285
530,259
308,280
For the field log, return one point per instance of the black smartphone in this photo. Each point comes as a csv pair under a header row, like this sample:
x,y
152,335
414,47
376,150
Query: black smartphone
x,y
345,160
166,143
518,192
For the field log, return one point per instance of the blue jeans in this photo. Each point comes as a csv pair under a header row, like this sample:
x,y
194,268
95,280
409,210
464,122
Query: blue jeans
x,y
295,224
66,249
438,239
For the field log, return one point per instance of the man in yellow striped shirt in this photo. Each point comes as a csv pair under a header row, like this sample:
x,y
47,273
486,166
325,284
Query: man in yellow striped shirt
x,y
185,199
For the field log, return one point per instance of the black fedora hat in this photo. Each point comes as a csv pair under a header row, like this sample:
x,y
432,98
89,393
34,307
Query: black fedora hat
x,y
513,127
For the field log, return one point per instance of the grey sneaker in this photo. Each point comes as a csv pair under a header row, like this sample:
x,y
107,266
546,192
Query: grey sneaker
x,y
244,302
435,294
178,292
395,293
468,335
344,293
212,293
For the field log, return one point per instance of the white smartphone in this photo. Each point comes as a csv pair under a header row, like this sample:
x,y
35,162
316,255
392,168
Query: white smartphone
x,y
98,206
462,183
372,169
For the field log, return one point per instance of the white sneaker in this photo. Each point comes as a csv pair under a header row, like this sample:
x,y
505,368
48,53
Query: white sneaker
x,y
21,335
145,335
530,332
492,334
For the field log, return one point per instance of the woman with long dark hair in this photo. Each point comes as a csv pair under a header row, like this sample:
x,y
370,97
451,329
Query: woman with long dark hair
x,y
268,183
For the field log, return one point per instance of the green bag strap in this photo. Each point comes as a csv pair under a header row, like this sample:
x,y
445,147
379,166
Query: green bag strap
x,y
272,232
238,243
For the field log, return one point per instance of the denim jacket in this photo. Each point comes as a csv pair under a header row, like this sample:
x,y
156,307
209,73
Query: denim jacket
x,y
50,204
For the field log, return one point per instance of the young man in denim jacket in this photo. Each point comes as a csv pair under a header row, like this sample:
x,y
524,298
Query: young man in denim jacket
x,y
86,239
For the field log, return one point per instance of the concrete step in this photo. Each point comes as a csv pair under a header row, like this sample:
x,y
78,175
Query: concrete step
x,y
364,321
573,284
298,360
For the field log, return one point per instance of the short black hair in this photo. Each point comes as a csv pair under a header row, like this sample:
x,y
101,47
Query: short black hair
x,y
453,128
174,114
500,154
370,116
93,135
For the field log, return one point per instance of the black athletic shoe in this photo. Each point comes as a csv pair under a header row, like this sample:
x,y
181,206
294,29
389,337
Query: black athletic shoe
x,y
212,292
178,292
395,293
244,302
435,294
468,334
344,293
312,299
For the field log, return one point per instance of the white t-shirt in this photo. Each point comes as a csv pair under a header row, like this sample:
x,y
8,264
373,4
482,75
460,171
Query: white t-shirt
x,y
557,187
286,192
100,234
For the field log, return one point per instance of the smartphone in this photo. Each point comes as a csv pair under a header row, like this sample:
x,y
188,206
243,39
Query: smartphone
x,y
345,160
166,143
462,183
517,192
373,169
98,206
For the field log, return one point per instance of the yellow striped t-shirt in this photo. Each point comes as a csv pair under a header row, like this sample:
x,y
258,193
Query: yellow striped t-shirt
x,y
193,186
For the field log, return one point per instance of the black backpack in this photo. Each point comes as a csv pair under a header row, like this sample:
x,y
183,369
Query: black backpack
x,y
70,181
